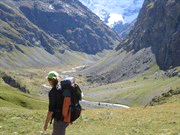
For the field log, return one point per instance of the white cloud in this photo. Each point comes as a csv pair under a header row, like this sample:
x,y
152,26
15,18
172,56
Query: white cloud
x,y
114,18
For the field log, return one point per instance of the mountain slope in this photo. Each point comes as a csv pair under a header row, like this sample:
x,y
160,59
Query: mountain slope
x,y
71,23
17,30
44,32
119,66
157,27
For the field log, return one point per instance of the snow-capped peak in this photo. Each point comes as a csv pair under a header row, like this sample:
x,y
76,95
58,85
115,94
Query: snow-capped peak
x,y
113,11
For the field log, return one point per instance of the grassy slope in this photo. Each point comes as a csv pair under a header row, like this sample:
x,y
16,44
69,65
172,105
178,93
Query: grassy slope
x,y
38,57
162,119
10,97
19,111
137,91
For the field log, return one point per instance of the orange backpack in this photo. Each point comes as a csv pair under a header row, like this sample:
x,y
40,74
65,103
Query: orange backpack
x,y
71,107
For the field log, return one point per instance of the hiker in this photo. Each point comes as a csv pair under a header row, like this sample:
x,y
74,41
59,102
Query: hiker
x,y
64,105
55,108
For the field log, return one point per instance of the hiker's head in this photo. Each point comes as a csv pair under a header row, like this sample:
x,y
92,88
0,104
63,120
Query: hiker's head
x,y
53,78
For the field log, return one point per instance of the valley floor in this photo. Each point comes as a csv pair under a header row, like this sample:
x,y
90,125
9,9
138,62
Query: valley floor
x,y
138,91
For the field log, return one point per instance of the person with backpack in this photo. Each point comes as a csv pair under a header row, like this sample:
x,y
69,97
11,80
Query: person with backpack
x,y
64,105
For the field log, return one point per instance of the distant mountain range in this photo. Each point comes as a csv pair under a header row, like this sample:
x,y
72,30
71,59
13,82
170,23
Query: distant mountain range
x,y
115,13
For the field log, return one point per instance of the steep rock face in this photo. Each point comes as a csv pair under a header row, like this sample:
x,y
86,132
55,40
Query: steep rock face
x,y
158,27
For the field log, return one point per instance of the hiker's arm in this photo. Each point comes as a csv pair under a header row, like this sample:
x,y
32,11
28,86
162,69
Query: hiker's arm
x,y
50,111
48,119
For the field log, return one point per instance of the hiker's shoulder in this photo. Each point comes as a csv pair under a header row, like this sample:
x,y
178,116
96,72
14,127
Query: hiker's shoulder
x,y
53,90
56,90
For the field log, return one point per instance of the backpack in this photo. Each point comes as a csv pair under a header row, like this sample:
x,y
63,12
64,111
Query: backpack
x,y
74,91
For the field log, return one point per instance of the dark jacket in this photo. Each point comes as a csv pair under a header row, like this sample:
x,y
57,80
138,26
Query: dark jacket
x,y
56,99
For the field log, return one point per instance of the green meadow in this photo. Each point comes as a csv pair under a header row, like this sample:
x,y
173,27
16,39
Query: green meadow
x,y
24,114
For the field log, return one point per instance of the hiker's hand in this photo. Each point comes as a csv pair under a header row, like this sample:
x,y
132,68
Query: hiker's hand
x,y
45,127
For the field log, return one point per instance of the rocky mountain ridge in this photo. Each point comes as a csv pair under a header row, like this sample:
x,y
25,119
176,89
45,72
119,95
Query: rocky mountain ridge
x,y
158,27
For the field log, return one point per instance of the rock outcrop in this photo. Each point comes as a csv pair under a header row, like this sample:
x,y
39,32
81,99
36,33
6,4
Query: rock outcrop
x,y
13,83
163,97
